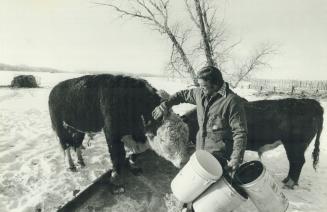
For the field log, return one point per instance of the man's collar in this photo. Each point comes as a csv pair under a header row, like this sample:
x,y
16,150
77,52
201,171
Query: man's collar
x,y
223,90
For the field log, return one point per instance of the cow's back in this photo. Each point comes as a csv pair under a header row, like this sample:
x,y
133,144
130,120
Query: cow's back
x,y
283,119
77,102
88,101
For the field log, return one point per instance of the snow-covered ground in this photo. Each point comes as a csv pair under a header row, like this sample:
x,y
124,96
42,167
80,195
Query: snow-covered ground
x,y
32,171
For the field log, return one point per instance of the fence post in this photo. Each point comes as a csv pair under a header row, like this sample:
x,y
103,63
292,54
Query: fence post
x,y
260,89
274,89
293,90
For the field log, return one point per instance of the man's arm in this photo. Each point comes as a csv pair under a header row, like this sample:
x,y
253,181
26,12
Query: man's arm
x,y
183,96
238,124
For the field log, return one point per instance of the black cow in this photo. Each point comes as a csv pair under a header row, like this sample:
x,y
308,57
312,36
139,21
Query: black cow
x,y
292,122
120,105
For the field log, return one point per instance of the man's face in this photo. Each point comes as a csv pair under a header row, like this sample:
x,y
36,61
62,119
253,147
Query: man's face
x,y
207,87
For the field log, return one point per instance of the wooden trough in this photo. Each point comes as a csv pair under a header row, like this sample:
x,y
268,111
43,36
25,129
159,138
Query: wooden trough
x,y
150,191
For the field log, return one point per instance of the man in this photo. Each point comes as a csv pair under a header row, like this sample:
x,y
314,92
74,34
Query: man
x,y
221,117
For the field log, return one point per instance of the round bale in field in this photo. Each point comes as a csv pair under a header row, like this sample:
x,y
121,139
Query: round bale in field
x,y
24,81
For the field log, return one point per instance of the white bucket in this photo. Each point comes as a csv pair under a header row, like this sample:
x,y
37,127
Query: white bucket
x,y
220,197
261,187
197,175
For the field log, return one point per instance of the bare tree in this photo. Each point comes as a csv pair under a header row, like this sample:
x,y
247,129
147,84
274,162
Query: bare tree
x,y
258,60
176,63
217,49
205,33
215,42
156,15
212,48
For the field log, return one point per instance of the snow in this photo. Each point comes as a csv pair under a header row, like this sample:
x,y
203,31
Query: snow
x,y
32,169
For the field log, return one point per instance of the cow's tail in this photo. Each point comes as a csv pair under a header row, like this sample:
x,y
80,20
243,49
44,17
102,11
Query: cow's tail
x,y
54,123
53,118
55,113
319,124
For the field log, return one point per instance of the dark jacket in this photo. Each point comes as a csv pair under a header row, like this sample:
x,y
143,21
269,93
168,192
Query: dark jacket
x,y
221,118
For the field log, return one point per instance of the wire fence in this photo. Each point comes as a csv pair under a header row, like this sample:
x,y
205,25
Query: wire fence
x,y
290,86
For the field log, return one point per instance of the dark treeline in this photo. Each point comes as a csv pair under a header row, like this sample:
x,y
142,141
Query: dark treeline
x,y
24,68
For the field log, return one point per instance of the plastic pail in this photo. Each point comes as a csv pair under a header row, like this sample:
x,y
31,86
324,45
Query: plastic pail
x,y
261,187
197,175
220,197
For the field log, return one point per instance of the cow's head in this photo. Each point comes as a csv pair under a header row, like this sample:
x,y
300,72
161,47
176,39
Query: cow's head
x,y
170,140
153,99
148,99
167,136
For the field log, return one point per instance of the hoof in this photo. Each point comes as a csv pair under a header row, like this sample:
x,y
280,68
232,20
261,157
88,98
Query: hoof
x,y
285,180
116,179
289,184
117,189
72,169
134,168
288,187
117,183
81,163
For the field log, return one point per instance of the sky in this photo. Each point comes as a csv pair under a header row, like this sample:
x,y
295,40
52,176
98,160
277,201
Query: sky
x,y
77,35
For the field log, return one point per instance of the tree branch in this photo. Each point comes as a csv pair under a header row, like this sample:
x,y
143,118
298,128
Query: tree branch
x,y
258,60
192,16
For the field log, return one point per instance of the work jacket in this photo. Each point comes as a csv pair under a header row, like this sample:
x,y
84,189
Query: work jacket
x,y
221,119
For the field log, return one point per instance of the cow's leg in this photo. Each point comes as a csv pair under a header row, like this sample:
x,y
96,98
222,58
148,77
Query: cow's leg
x,y
117,156
295,155
131,163
80,159
260,153
289,152
69,160
131,149
132,159
67,143
78,139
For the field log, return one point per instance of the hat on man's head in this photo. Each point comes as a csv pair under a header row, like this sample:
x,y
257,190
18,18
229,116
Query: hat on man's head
x,y
211,74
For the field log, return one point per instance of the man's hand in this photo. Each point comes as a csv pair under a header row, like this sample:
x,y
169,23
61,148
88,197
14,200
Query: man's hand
x,y
159,111
231,166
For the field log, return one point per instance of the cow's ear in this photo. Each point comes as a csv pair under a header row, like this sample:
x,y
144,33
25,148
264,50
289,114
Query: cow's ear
x,y
163,94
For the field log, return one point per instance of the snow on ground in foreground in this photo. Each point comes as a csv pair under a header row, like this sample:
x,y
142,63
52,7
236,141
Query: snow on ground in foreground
x,y
32,171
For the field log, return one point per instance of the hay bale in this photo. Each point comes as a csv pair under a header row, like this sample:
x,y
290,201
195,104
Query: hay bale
x,y
24,81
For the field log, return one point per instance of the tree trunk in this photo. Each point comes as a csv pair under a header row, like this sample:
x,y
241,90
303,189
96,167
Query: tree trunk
x,y
204,34
180,50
